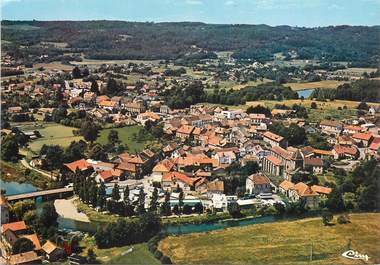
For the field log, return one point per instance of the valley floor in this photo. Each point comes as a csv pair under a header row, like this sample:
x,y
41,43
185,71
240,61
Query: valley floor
x,y
289,242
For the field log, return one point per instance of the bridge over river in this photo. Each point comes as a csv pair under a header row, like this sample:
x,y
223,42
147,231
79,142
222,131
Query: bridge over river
x,y
44,194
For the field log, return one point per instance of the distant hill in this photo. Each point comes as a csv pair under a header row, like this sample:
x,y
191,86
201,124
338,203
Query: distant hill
x,y
135,40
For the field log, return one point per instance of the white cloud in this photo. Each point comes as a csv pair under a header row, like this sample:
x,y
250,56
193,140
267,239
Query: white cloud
x,y
194,2
230,3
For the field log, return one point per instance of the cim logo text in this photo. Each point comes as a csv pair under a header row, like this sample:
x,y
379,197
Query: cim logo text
x,y
352,254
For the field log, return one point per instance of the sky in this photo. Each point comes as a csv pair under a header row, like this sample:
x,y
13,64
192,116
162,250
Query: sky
x,y
303,13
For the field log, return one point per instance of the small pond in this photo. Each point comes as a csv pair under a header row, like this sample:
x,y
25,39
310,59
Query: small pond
x,y
305,93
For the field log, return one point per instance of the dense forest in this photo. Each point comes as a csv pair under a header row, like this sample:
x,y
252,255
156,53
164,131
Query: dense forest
x,y
135,40
361,90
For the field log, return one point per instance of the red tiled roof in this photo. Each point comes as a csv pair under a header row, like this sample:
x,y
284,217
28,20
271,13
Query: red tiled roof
x,y
259,179
109,174
15,226
304,190
286,185
314,161
129,167
345,150
273,136
282,152
186,129
274,160
35,240
180,177
29,257
81,164
321,189
375,144
362,136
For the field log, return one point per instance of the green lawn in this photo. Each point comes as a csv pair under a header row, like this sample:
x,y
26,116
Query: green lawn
x,y
126,137
287,242
52,134
117,255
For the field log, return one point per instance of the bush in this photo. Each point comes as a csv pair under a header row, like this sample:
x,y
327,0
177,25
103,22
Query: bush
x,y
327,217
165,260
343,219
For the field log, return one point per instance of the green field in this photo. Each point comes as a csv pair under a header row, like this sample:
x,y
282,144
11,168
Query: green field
x,y
324,110
54,134
310,85
117,255
288,242
126,137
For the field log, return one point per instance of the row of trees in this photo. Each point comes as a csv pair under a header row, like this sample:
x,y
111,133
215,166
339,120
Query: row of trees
x,y
360,90
125,232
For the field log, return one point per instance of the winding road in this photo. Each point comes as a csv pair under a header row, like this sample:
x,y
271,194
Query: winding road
x,y
27,165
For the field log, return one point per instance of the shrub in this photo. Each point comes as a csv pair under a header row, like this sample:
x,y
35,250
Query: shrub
x,y
343,219
327,217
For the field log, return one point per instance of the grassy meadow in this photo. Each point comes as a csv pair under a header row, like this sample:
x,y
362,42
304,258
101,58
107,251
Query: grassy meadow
x,y
125,136
119,255
287,242
54,134
310,85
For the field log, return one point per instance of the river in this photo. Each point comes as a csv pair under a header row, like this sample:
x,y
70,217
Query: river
x,y
223,224
14,188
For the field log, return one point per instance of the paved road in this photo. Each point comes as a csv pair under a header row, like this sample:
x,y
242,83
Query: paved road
x,y
26,164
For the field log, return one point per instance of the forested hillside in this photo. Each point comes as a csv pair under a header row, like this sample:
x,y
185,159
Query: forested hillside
x,y
132,40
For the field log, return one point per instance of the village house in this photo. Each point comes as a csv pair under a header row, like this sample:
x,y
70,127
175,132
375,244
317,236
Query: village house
x,y
340,152
109,175
135,107
171,180
315,163
215,187
362,139
142,118
24,258
81,165
184,132
331,127
258,118
257,183
108,104
274,139
162,168
52,252
225,157
352,129
300,191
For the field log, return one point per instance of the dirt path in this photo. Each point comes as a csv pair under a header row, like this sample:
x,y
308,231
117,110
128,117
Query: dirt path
x,y
26,164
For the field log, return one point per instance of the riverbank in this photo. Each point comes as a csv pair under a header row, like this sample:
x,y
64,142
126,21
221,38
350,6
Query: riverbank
x,y
67,209
285,242
16,172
